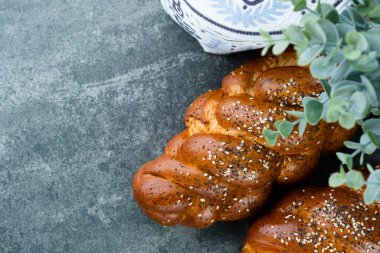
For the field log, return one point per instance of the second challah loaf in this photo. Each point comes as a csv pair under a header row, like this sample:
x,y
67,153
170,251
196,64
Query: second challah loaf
x,y
317,220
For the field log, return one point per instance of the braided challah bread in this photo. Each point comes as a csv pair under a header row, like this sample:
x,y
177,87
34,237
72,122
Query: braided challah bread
x,y
220,167
317,220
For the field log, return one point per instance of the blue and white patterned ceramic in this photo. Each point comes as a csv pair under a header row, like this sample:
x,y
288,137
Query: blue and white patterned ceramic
x,y
227,26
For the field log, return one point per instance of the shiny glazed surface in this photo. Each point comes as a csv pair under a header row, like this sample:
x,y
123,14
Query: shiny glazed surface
x,y
317,220
220,167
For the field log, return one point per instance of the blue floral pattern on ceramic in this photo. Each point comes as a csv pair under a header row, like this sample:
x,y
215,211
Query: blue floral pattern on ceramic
x,y
248,16
252,2
227,26
216,44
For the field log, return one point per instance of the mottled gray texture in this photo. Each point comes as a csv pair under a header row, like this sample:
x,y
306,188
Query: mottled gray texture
x,y
89,91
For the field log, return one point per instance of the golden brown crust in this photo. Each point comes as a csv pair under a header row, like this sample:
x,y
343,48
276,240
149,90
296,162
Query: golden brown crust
x,y
317,220
251,117
220,167
197,108
291,172
241,80
286,86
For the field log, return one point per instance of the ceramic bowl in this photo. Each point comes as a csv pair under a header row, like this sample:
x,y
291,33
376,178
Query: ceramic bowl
x,y
227,26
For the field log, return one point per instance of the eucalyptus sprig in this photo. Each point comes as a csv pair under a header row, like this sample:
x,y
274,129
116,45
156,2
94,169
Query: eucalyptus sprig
x,y
343,52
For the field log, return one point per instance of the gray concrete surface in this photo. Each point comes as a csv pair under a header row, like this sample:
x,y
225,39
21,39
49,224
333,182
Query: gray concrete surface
x,y
89,91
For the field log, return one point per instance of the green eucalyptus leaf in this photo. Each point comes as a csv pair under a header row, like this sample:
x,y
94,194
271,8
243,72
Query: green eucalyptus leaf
x,y
365,6
284,128
345,89
337,179
375,111
296,114
340,72
305,100
354,179
370,168
342,170
373,37
372,191
344,18
359,105
333,109
366,62
333,51
351,53
302,127
343,29
357,39
329,30
370,149
363,9
371,91
299,5
345,158
323,97
332,16
352,145
315,32
309,54
294,34
270,136
353,38
266,35
350,163
375,13
266,49
364,139
361,160
362,65
321,68
326,87
301,46
374,139
328,12
347,120
374,24
360,20
374,75
345,83
313,111
344,92
280,47
309,16
351,16
371,194
372,125
368,146
324,9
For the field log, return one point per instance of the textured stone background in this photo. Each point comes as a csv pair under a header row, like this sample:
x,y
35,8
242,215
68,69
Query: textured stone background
x,y
89,91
